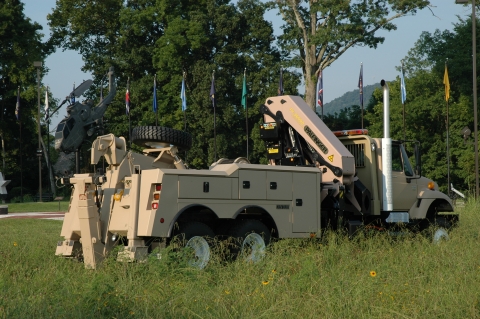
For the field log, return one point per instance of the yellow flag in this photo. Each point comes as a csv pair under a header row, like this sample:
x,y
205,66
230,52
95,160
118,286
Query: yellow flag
x,y
446,82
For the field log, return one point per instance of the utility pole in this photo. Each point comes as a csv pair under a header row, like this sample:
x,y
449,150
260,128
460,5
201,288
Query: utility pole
x,y
38,65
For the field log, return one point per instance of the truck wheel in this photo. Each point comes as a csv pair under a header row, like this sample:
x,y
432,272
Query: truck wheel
x,y
193,237
250,239
438,229
147,136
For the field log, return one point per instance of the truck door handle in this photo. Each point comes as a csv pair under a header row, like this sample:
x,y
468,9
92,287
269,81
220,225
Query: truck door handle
x,y
298,202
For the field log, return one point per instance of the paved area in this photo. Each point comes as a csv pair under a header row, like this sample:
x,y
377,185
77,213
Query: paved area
x,y
48,215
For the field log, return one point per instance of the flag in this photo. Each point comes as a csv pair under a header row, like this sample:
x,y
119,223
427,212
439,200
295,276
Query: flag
x,y
244,90
127,101
360,84
17,106
183,96
403,90
212,91
72,96
446,82
155,94
320,89
46,103
280,83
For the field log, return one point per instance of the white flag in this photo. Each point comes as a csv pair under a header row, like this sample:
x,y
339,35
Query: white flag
x,y
46,103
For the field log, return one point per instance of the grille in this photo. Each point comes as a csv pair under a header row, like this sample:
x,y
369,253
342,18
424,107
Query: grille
x,y
358,151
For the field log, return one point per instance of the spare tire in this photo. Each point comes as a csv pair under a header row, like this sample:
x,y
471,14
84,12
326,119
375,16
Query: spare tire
x,y
143,135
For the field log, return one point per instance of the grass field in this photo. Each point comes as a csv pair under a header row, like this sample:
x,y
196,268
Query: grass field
x,y
372,276
56,206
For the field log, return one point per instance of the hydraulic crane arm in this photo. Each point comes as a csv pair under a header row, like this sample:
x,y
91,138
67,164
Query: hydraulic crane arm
x,y
295,135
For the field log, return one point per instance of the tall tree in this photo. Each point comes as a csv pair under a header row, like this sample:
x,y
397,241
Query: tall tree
x,y
320,31
20,45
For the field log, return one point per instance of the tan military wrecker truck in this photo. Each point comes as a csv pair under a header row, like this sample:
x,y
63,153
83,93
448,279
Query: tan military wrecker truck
x,y
315,179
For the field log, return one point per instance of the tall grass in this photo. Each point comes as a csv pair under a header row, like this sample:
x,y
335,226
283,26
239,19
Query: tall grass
x,y
372,276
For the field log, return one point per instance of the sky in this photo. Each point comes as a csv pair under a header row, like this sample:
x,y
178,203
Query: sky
x,y
339,78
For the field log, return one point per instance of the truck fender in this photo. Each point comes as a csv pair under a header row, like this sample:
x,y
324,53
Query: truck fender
x,y
188,213
428,198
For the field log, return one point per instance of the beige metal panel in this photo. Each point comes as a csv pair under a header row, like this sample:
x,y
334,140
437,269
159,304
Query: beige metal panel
x,y
305,202
304,120
279,185
205,187
252,184
149,219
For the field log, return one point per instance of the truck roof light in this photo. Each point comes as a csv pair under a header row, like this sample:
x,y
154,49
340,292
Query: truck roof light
x,y
158,187
431,185
351,132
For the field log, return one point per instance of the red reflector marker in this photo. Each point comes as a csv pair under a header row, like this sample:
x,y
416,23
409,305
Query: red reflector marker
x,y
158,187
154,205
162,220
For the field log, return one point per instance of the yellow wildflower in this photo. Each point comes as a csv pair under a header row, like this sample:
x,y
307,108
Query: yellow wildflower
x,y
373,273
15,244
265,283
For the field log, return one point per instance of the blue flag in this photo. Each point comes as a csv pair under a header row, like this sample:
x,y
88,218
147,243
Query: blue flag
x,y
17,106
320,89
403,90
212,91
360,84
183,96
280,83
155,94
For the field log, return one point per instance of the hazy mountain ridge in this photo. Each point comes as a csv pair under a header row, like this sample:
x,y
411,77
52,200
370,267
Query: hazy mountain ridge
x,y
348,99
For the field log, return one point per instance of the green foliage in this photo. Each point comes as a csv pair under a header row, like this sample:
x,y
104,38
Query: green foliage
x,y
20,45
374,276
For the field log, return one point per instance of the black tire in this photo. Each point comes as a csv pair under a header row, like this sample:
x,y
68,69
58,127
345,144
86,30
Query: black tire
x,y
142,135
240,233
198,237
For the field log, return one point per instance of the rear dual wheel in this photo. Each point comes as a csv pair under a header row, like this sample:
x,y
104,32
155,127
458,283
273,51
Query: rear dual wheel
x,y
195,238
250,238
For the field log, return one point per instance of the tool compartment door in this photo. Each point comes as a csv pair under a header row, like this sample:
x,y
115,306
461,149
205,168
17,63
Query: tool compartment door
x,y
251,184
279,185
305,203
204,187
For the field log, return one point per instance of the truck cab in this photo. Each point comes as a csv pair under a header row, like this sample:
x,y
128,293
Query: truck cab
x,y
415,197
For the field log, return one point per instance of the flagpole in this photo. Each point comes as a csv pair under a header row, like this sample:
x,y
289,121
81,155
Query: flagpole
x,y
360,88
129,116
246,106
48,122
448,146
185,110
19,118
155,99
214,121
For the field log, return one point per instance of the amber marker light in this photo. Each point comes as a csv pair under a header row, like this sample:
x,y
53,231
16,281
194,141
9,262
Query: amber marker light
x,y
431,186
156,196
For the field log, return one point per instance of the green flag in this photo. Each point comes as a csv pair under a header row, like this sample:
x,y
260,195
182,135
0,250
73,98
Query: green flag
x,y
244,91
